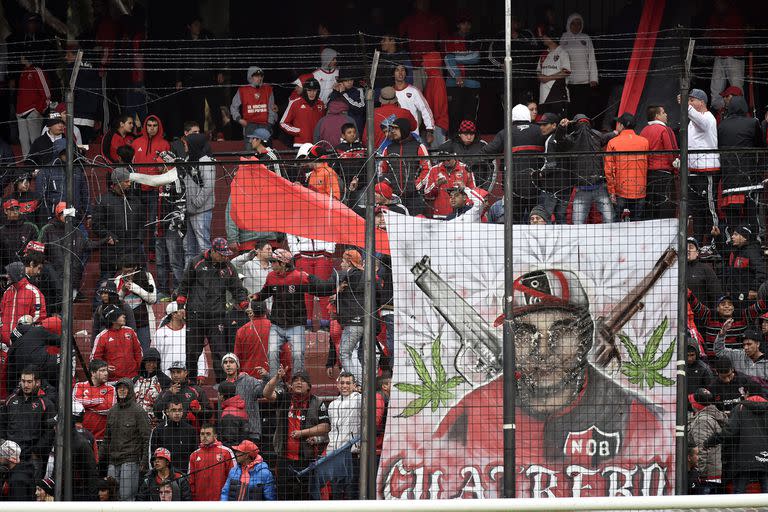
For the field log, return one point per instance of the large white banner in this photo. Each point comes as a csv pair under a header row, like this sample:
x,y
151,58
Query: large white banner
x,y
594,312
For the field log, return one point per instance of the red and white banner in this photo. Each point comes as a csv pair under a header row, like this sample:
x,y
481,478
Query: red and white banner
x,y
583,429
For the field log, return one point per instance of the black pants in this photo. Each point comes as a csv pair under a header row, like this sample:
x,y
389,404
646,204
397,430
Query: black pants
x,y
201,327
462,104
701,203
660,196
291,487
581,99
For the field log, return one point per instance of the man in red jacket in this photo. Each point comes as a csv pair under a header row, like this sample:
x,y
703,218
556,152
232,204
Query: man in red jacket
x,y
146,149
97,398
118,346
32,98
252,342
209,466
22,297
662,168
303,113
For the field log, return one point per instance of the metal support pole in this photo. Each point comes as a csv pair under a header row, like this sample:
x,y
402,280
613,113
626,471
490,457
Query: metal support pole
x,y
368,452
681,420
508,353
63,466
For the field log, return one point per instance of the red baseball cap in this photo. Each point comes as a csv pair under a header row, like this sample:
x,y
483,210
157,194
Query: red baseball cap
x,y
732,91
248,447
162,453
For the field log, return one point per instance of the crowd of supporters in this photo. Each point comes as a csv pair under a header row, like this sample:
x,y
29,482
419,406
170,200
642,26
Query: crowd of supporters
x,y
147,423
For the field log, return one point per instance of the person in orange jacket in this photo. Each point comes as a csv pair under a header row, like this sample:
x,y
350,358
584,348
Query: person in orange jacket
x,y
627,175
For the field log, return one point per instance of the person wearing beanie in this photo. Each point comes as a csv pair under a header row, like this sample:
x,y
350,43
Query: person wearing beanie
x,y
406,175
106,295
352,96
538,216
250,389
45,489
467,145
698,373
744,263
15,232
118,345
301,433
96,397
303,113
750,360
707,419
118,220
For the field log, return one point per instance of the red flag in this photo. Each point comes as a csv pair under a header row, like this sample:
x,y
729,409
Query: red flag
x,y
263,201
642,54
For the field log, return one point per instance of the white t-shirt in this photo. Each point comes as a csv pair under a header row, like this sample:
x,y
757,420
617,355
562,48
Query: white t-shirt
x,y
172,345
554,62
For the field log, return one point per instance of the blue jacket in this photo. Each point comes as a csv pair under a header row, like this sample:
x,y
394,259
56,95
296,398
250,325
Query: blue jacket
x,y
260,487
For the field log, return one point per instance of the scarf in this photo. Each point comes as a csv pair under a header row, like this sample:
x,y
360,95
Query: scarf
x,y
245,477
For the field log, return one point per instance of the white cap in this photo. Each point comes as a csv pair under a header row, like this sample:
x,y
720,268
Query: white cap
x,y
304,150
231,356
171,308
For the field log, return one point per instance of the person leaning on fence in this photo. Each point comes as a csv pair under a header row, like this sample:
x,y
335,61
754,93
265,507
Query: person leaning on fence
x,y
301,432
747,428
250,479
342,465
209,466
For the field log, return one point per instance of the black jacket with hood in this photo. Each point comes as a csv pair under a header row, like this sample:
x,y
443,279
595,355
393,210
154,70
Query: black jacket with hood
x,y
748,429
698,374
203,289
703,282
584,170
149,488
180,438
126,438
152,354
738,130
119,217
29,349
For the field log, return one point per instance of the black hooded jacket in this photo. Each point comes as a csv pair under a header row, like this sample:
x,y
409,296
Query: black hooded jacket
x,y
743,268
585,170
747,428
738,130
149,488
152,354
703,282
180,438
699,374
29,349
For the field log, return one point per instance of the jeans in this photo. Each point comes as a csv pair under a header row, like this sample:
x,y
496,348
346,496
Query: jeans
x,y
30,128
279,335
635,207
701,203
127,475
351,337
169,251
583,200
725,68
341,471
554,205
745,477
198,237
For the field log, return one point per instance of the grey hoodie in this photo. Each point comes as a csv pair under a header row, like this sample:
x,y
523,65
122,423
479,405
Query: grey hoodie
x,y
326,56
581,53
201,178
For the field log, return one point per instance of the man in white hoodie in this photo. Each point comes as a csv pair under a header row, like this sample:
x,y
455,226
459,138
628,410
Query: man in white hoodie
x,y
327,74
583,78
